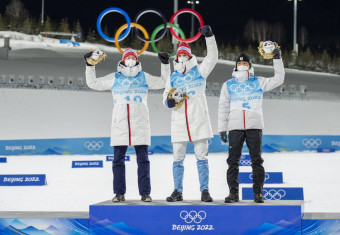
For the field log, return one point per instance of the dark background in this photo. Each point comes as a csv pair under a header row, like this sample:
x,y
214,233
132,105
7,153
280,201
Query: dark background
x,y
227,18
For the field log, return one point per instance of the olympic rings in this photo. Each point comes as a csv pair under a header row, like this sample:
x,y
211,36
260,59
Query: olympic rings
x,y
150,10
154,33
146,39
146,35
107,11
186,10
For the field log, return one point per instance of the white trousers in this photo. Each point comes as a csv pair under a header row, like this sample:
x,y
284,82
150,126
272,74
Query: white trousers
x,y
200,148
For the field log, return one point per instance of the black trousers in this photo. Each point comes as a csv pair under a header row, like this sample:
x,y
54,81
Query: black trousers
x,y
118,168
253,138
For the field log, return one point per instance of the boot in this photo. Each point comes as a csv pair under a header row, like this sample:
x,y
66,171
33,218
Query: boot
x,y
258,198
146,198
175,196
118,198
233,197
206,196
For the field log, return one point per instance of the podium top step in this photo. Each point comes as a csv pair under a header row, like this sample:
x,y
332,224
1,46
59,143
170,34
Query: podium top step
x,y
199,203
43,215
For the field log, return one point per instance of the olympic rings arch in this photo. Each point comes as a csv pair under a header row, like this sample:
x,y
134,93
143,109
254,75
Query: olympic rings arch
x,y
138,27
154,11
157,29
104,13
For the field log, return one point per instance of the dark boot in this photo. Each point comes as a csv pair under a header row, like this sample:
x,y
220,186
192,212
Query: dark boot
x,y
206,196
233,197
175,196
258,198
146,198
118,198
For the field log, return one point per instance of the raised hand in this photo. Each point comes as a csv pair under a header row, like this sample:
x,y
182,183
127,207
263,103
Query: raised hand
x,y
277,53
164,57
206,31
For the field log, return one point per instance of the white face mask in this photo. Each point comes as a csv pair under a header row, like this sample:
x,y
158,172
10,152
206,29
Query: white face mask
x,y
241,75
179,67
242,68
130,62
182,59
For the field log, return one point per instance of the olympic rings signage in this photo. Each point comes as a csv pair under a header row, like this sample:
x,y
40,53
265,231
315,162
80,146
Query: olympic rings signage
x,y
146,38
93,145
193,216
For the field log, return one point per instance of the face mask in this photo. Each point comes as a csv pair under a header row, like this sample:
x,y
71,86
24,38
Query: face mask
x,y
182,59
179,67
241,75
130,62
242,68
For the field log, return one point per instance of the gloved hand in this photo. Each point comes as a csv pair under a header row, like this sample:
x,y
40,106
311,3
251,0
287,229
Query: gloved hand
x,y
164,57
170,103
206,31
277,53
88,55
224,136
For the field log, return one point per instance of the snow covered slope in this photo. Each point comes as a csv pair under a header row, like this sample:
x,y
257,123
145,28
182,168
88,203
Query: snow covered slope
x,y
43,114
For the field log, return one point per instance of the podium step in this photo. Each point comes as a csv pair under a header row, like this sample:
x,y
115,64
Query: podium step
x,y
161,217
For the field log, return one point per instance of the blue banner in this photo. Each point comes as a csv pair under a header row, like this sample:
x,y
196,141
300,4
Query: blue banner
x,y
87,164
325,150
44,226
110,158
3,160
22,180
160,144
275,194
195,219
270,178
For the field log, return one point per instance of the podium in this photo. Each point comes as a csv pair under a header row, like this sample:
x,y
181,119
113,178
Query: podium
x,y
194,217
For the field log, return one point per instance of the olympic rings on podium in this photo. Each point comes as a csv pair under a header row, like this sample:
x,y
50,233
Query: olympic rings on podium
x,y
186,10
138,26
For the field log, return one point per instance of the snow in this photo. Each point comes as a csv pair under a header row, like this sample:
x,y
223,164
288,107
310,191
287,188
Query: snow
x,y
75,189
50,114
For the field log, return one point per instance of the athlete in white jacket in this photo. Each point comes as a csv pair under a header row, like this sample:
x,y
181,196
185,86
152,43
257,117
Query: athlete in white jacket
x,y
240,113
191,121
130,116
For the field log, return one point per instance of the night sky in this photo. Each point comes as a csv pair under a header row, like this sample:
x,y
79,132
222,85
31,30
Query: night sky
x,y
226,17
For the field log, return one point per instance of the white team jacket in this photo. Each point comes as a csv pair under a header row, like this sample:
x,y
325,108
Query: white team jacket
x,y
240,103
191,121
130,116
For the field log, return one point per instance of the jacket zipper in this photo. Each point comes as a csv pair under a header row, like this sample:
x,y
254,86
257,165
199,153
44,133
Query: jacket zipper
x,y
128,112
186,117
244,119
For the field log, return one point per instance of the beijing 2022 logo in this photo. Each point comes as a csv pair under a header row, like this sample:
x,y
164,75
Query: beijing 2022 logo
x,y
93,145
193,220
311,143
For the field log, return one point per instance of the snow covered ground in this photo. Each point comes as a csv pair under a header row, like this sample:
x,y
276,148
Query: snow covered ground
x,y
75,189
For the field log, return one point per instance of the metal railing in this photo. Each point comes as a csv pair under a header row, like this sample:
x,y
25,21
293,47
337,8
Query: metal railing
x,y
289,92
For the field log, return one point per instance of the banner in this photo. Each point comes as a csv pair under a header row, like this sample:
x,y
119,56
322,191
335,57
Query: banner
x,y
87,164
275,193
270,178
22,180
160,144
